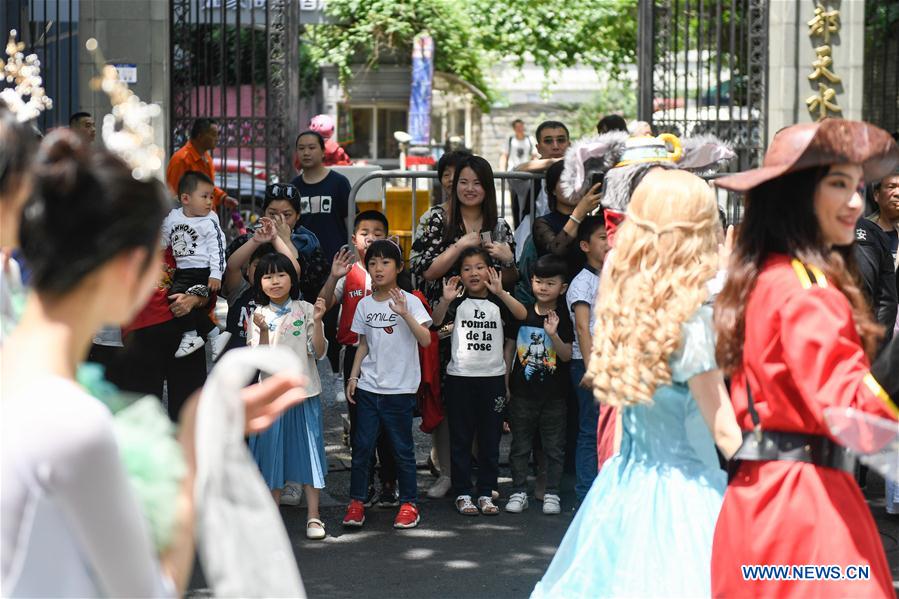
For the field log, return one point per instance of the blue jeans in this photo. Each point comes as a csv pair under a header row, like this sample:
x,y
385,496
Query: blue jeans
x,y
393,413
585,460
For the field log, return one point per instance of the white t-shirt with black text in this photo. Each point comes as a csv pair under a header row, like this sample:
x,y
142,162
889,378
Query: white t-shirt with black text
x,y
391,366
477,343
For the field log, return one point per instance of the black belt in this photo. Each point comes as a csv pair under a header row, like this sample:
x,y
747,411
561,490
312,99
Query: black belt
x,y
765,445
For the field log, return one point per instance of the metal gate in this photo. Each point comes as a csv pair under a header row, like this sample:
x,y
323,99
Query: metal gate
x,y
703,69
881,97
50,29
235,61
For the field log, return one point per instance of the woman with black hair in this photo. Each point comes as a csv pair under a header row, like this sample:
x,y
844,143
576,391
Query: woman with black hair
x,y
17,145
555,232
796,334
72,523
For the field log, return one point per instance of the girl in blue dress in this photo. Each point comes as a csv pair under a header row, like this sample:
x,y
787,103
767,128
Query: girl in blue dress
x,y
293,449
645,528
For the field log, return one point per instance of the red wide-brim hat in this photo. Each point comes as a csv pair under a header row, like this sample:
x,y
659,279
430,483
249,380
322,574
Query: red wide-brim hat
x,y
831,141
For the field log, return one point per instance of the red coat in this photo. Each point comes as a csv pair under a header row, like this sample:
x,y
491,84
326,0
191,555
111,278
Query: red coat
x,y
801,354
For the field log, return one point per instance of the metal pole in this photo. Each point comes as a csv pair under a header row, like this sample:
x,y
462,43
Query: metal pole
x,y
644,60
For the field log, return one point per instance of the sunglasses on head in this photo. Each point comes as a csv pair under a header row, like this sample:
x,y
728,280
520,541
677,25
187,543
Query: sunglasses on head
x,y
281,191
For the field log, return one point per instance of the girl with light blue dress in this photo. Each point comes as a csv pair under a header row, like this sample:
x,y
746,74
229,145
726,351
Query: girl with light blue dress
x,y
645,527
293,449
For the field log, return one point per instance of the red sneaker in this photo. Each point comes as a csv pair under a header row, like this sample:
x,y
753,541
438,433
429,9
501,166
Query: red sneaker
x,y
355,514
407,517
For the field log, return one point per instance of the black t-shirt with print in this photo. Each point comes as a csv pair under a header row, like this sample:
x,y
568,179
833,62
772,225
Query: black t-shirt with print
x,y
323,210
240,315
536,367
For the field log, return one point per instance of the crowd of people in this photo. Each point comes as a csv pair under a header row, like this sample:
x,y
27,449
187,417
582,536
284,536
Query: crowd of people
x,y
609,326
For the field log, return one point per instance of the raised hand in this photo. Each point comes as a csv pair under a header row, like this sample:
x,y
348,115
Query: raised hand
x,y
259,320
469,240
501,252
551,324
266,401
494,281
343,261
319,309
398,302
451,288
590,201
282,228
266,232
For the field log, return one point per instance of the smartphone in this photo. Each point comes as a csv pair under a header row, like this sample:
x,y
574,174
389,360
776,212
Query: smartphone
x,y
596,178
486,237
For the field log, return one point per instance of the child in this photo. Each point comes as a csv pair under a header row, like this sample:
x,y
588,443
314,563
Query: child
x,y
237,287
198,245
294,447
475,381
537,351
384,380
348,283
591,238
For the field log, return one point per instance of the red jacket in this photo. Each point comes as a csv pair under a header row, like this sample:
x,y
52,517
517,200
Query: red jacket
x,y
429,404
801,354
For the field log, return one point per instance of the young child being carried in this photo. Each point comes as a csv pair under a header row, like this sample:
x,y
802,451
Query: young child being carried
x,y
347,284
476,381
591,238
538,349
384,380
293,449
198,245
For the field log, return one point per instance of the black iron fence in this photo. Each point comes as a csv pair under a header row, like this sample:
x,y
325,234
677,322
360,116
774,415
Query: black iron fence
x,y
49,28
235,61
703,69
881,97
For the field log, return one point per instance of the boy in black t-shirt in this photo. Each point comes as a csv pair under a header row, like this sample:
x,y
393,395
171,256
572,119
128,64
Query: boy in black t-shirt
x,y
538,349
475,376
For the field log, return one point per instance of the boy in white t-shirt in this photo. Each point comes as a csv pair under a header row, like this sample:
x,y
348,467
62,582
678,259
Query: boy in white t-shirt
x,y
383,383
581,296
475,376
198,246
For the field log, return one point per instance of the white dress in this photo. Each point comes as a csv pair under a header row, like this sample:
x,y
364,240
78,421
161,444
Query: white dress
x,y
71,522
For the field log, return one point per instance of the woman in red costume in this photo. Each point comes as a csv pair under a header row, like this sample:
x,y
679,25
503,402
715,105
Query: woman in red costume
x,y
796,335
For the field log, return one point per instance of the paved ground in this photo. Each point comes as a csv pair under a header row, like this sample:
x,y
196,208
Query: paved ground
x,y
448,554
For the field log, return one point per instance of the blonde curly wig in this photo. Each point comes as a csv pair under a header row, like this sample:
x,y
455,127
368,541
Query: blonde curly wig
x,y
665,253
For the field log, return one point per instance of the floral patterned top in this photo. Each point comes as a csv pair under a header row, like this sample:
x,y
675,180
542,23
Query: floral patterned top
x,y
429,245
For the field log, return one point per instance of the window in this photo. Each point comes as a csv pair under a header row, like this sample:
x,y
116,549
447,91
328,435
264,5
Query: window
x,y
390,120
373,129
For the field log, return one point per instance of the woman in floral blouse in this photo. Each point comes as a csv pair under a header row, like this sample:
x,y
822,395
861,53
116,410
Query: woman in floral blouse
x,y
445,231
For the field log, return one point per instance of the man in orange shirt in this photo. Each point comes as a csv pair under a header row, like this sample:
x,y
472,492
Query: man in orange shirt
x,y
194,156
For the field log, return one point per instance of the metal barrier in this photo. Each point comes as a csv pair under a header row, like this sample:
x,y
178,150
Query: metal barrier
x,y
503,177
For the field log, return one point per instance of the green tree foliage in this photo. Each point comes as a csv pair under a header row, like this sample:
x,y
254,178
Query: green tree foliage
x,y
617,96
470,35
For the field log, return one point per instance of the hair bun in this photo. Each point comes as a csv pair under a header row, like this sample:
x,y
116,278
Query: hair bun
x,y
61,158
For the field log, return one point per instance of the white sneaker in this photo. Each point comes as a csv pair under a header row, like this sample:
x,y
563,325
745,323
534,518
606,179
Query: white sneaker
x,y
440,487
552,504
189,344
518,502
218,341
290,496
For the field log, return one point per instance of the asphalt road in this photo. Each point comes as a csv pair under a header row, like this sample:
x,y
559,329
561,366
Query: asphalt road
x,y
448,555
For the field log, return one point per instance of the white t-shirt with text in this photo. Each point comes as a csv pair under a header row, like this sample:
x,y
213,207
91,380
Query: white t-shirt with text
x,y
391,366
477,343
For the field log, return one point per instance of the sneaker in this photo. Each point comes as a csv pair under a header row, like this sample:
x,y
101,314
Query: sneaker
x,y
189,344
290,496
388,497
518,502
552,504
440,487
407,517
355,514
218,342
371,497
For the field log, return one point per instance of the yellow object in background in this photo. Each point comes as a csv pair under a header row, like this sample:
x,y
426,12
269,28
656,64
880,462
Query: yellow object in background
x,y
399,213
